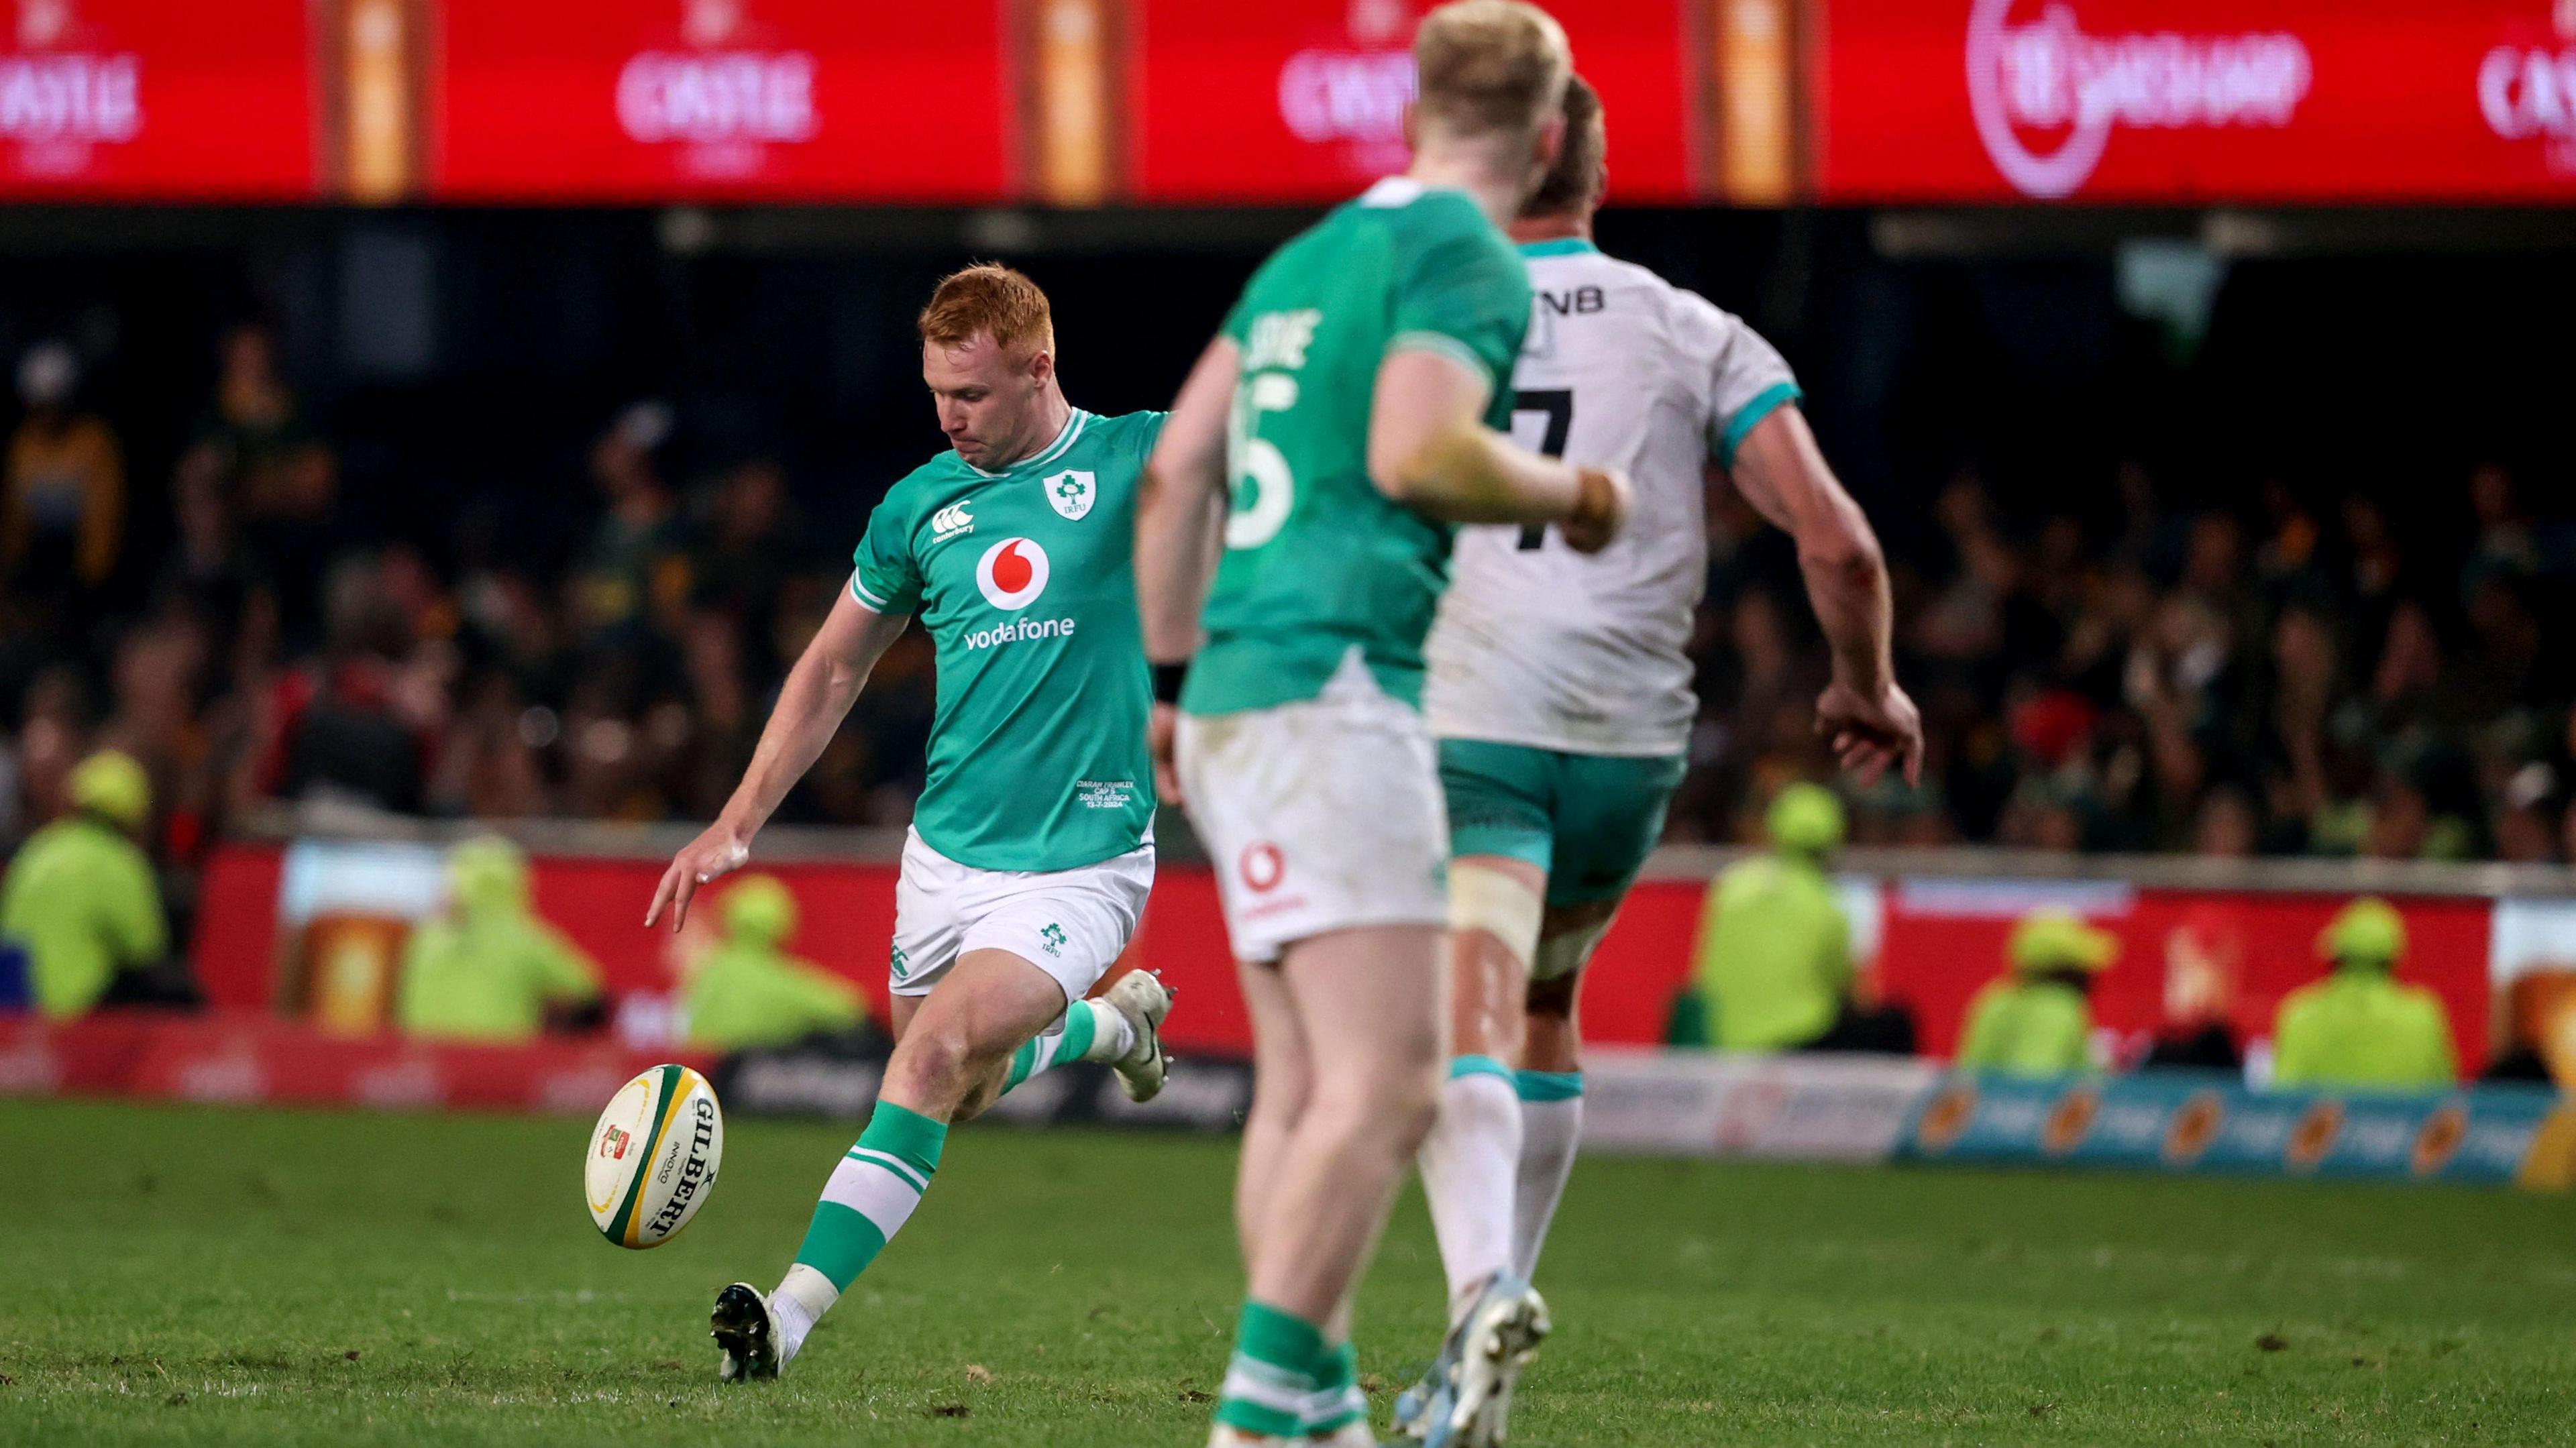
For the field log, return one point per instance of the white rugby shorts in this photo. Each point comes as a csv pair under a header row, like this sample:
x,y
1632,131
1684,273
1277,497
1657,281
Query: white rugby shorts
x,y
1318,815
1072,924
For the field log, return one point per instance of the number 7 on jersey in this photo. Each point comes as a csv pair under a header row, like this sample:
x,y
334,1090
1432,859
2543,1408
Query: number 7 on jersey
x,y
1555,406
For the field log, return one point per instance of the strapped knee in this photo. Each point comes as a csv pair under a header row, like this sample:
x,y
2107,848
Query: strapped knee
x,y
1563,954
1496,903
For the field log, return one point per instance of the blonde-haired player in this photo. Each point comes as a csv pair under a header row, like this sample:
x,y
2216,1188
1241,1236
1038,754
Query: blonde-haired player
x,y
1348,411
1561,694
1013,547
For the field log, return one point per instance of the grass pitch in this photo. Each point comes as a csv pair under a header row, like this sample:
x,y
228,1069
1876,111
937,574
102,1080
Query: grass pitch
x,y
181,1275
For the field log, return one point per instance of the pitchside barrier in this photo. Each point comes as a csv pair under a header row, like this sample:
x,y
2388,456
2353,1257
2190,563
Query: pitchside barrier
x,y
301,923
2497,944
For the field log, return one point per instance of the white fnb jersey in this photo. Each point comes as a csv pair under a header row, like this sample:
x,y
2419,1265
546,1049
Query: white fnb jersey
x,y
1536,644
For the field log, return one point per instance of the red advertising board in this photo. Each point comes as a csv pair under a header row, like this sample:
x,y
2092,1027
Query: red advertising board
x,y
2194,101
1944,941
119,99
649,100
1938,942
1303,100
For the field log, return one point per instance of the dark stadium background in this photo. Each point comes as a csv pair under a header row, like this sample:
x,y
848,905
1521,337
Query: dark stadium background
x,y
460,363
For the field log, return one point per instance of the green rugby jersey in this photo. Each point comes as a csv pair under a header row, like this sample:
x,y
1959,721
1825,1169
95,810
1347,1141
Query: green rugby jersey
x,y
1317,561
1025,579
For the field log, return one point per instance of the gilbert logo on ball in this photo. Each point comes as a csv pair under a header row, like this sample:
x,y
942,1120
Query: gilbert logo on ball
x,y
1012,573
653,1156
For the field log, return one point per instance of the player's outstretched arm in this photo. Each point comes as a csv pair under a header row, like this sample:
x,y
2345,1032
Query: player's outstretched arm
x,y
1867,718
1180,512
1429,449
811,704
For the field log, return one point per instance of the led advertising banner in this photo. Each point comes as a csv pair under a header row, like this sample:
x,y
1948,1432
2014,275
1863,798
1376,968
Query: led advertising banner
x,y
134,99
2193,101
1303,100
649,100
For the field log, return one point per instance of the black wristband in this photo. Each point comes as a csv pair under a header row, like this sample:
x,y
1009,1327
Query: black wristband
x,y
1167,681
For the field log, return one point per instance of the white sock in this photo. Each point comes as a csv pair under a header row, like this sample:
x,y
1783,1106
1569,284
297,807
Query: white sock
x,y
800,1301
1111,1035
1467,1165
1551,1110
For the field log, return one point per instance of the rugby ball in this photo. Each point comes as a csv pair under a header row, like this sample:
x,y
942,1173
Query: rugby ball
x,y
653,1157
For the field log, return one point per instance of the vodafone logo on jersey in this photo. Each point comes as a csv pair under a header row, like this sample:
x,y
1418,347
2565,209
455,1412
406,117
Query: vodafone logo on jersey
x,y
1012,573
2046,95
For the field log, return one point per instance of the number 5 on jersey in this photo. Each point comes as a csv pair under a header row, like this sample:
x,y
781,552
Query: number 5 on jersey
x,y
1263,487
1258,474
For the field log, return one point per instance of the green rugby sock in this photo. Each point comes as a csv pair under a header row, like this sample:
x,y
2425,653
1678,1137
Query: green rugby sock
x,y
1338,1399
1273,1381
872,1192
1089,1030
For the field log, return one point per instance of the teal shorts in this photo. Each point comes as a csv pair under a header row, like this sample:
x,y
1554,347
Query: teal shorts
x,y
1588,820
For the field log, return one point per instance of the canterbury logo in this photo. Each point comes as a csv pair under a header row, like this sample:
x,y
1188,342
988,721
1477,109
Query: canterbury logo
x,y
950,521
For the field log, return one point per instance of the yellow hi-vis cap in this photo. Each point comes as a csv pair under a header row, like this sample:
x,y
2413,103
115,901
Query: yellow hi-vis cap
x,y
1806,818
2052,939
2368,931
488,873
110,783
759,909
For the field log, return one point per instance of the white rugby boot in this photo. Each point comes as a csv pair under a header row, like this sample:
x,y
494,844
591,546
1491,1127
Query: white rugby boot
x,y
1499,1337
1141,997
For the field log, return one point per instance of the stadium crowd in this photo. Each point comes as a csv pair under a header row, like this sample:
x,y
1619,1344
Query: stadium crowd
x,y
2290,672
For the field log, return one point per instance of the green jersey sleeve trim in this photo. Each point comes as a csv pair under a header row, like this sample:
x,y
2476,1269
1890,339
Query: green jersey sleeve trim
x,y
1766,402
1444,345
884,575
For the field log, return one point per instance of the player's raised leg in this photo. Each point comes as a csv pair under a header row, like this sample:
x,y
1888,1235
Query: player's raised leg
x,y
955,1050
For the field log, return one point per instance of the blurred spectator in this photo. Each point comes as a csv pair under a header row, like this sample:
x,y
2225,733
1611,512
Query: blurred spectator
x,y
350,725
2359,1027
62,514
634,567
1775,969
52,739
279,480
2536,1030
487,969
2204,963
2038,1020
748,991
80,912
